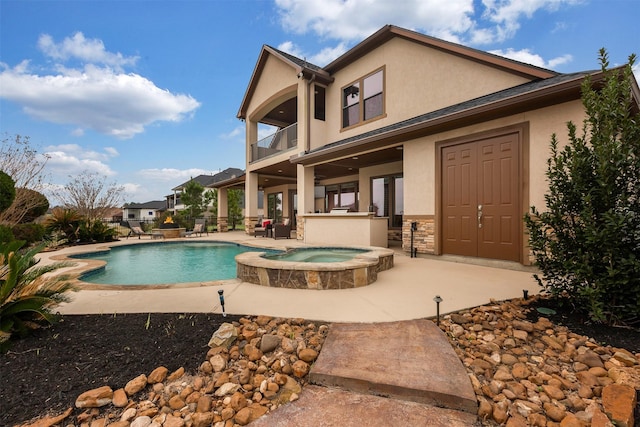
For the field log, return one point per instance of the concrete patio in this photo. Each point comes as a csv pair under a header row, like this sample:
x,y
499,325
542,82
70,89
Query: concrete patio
x,y
402,293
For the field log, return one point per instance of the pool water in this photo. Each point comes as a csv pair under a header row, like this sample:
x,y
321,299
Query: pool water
x,y
316,255
164,263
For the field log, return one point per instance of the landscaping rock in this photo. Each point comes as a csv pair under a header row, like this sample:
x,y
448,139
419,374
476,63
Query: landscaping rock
x,y
95,398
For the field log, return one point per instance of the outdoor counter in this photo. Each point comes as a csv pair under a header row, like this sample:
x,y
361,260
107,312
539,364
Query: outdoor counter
x,y
357,229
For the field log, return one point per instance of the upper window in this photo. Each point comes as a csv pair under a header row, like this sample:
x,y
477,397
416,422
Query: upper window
x,y
319,101
363,100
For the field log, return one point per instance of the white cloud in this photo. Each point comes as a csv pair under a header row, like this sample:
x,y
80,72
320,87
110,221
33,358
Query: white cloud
x,y
92,97
354,20
64,164
322,58
235,133
66,160
507,14
459,21
524,55
78,47
172,175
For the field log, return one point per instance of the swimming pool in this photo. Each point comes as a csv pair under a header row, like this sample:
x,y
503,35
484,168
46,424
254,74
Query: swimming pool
x,y
165,263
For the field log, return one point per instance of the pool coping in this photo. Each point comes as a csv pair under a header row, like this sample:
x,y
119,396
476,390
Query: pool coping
x,y
81,266
361,270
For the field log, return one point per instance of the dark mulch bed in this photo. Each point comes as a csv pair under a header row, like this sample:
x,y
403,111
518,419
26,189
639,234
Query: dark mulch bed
x,y
615,336
46,372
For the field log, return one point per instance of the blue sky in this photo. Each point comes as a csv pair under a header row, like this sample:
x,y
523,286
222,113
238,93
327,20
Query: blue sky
x,y
146,92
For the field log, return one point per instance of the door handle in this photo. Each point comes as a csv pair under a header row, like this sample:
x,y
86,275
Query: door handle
x,y
479,216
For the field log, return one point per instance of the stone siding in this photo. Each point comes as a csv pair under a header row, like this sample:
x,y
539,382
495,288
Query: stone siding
x,y
423,237
250,224
298,275
223,224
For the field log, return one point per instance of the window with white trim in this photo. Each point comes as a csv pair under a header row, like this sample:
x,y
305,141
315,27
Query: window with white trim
x,y
363,100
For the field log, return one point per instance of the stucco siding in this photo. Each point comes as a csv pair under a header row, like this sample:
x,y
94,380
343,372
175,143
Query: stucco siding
x,y
276,77
418,79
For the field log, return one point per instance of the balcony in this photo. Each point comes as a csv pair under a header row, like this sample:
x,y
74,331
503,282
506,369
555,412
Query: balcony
x,y
277,143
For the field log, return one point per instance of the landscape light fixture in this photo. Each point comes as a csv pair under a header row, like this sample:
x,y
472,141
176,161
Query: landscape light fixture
x,y
221,295
438,300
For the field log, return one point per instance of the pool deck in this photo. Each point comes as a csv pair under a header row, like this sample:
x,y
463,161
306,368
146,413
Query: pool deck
x,y
404,292
364,357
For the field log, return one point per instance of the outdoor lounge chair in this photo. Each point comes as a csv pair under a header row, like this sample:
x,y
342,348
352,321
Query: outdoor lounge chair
x,y
200,227
263,228
282,230
135,228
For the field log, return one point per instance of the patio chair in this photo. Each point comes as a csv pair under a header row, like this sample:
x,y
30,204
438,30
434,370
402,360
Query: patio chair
x,y
200,227
282,230
135,228
263,228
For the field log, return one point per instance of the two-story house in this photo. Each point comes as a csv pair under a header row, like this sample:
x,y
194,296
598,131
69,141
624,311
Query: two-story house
x,y
145,212
427,134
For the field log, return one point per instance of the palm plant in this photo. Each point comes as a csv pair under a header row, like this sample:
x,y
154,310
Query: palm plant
x,y
65,221
27,294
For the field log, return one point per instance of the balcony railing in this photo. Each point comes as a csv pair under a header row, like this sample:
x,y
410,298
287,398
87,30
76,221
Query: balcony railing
x,y
280,141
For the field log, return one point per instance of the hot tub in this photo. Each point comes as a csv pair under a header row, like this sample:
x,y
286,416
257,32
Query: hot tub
x,y
315,268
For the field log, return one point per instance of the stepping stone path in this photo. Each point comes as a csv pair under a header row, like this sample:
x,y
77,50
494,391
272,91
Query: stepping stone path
x,y
258,371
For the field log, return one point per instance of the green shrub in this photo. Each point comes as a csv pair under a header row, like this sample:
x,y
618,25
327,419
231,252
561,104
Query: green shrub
x,y
587,241
97,232
33,204
30,232
27,296
6,235
7,191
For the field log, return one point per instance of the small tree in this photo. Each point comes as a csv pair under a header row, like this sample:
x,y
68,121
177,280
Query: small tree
x,y
587,242
25,166
234,198
90,195
195,198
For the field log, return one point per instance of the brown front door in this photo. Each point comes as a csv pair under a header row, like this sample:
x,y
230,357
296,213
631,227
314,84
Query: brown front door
x,y
480,198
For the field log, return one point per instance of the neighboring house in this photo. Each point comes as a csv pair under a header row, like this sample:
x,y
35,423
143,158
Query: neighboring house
x,y
144,211
423,132
113,215
207,181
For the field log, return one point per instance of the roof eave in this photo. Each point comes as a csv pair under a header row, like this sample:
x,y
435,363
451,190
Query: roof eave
x,y
387,32
556,94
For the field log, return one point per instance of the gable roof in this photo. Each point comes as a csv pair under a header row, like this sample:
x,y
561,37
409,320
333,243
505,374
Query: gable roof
x,y
388,32
300,66
155,204
208,180
324,74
